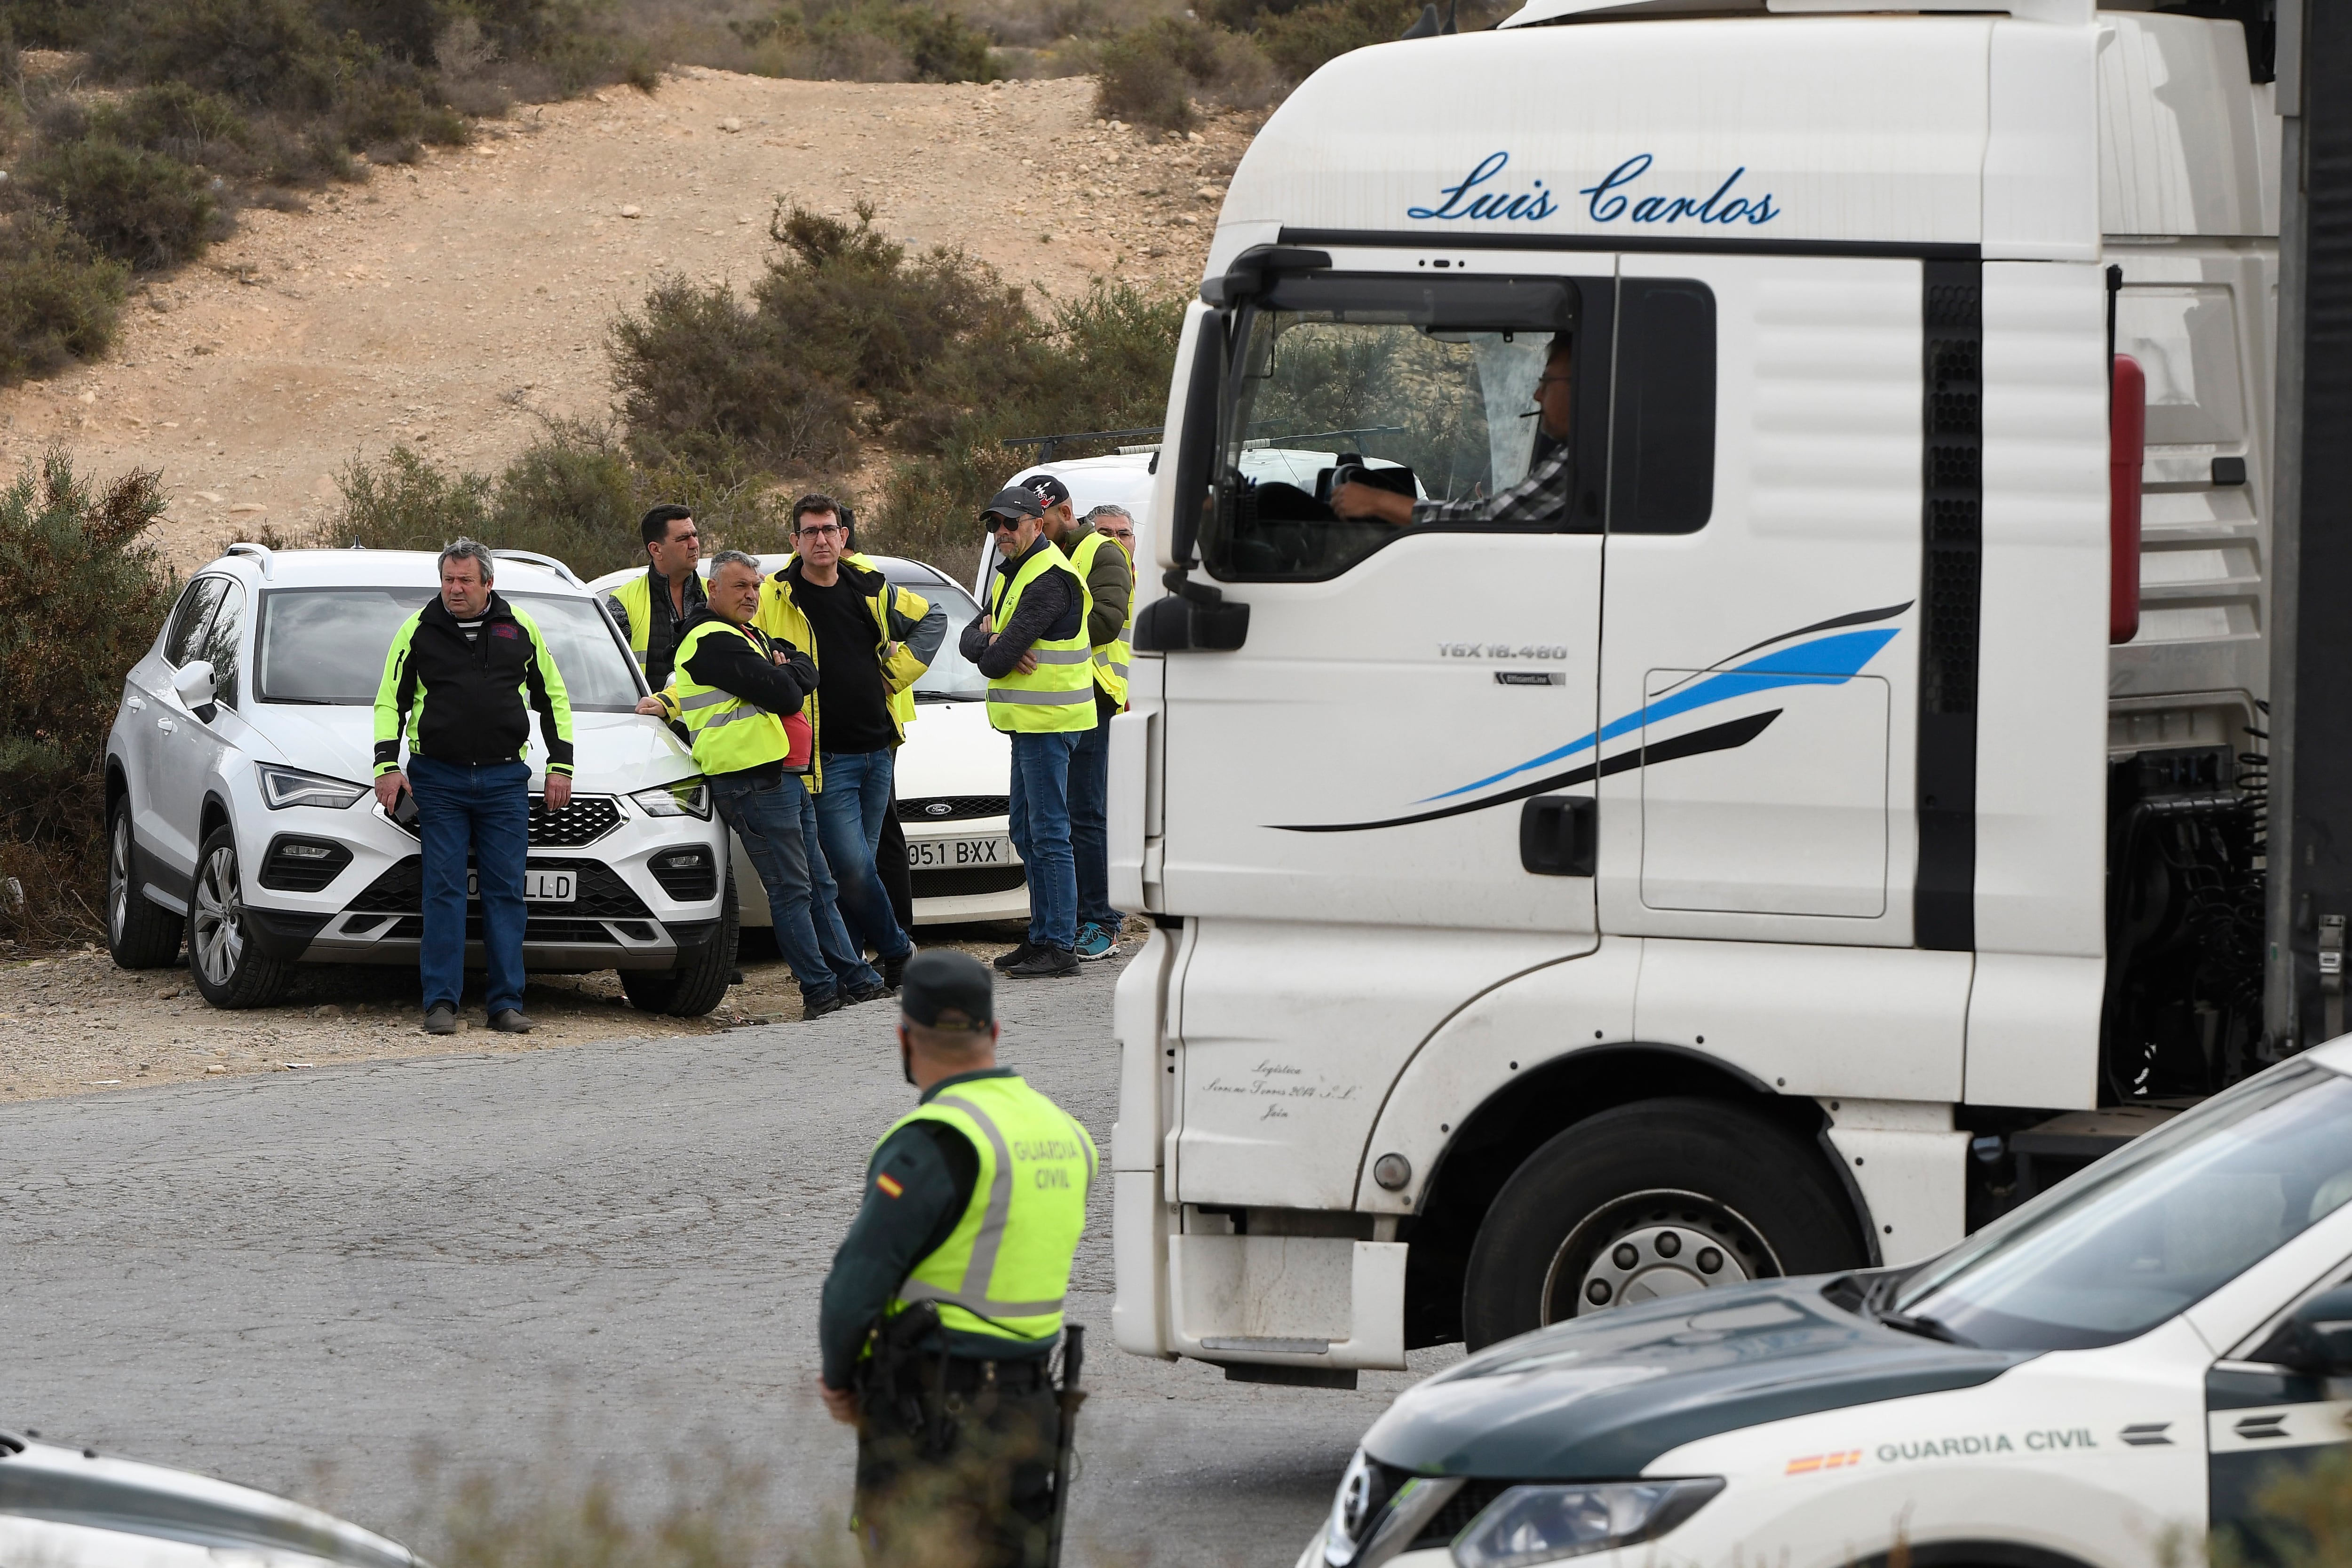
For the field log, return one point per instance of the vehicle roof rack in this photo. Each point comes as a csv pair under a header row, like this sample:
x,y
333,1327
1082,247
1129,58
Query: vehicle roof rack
x,y
1047,444
533,558
261,553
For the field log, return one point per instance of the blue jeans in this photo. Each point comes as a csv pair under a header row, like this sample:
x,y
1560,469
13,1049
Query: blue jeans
x,y
484,810
1089,830
1040,811
777,822
849,820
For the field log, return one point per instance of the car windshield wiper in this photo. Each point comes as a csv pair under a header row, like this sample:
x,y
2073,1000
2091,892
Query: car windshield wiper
x,y
1921,1325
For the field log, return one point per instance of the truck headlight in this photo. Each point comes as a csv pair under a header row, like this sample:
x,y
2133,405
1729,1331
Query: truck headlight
x,y
284,786
1534,1524
686,798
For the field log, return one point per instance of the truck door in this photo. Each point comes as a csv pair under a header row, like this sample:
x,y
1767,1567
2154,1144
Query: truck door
x,y
1407,688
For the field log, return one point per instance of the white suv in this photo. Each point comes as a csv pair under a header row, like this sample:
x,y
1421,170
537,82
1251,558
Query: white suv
x,y
239,813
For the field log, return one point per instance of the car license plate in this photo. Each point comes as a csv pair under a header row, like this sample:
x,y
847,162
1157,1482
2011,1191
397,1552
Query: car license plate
x,y
939,854
538,886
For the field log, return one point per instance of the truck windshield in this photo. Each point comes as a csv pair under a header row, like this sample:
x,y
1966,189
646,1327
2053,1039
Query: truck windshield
x,y
2155,1228
326,645
1431,387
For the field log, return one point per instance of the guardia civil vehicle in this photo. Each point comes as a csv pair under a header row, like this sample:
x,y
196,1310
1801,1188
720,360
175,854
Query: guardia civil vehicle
x,y
1840,813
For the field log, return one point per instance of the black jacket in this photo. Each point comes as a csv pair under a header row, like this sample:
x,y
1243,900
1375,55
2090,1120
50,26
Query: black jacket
x,y
472,701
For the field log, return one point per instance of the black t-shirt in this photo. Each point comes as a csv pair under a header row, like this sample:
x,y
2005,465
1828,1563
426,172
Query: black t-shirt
x,y
853,710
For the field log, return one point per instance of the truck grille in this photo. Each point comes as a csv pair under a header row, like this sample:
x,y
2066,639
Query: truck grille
x,y
959,807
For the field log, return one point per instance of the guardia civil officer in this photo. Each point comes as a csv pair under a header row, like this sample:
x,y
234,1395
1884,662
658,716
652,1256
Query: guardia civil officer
x,y
945,1300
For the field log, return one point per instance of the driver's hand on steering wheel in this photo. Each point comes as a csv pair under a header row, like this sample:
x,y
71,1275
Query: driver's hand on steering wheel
x,y
1357,502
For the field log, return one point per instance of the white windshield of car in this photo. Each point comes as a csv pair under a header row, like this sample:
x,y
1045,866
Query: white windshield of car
x,y
326,645
2155,1228
952,678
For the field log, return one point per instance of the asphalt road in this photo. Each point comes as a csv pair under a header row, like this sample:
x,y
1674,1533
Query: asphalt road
x,y
360,1285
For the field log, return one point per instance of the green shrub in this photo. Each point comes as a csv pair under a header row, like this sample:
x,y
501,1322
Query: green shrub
x,y
1302,40
81,596
1150,74
870,40
146,208
58,299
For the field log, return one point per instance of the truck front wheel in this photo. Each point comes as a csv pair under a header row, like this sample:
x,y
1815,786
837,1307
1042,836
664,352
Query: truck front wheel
x,y
1652,1199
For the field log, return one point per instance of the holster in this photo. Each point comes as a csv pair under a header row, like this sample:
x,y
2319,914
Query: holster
x,y
902,1381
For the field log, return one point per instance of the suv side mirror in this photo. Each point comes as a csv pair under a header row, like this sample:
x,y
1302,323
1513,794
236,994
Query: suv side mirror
x,y
2316,1340
196,687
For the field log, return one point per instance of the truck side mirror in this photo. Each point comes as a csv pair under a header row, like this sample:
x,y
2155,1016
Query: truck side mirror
x,y
196,687
1196,453
2316,1340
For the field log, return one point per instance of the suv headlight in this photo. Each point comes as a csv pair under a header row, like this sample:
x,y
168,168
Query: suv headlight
x,y
284,786
1529,1525
686,798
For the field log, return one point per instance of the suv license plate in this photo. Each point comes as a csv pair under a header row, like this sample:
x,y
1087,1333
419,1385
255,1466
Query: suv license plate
x,y
538,886
939,854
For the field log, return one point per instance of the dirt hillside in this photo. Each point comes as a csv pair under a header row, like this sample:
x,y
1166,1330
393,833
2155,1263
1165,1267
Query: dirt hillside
x,y
451,304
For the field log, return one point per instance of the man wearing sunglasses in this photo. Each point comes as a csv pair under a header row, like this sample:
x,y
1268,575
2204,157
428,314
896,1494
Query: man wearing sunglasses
x,y
871,641
1541,499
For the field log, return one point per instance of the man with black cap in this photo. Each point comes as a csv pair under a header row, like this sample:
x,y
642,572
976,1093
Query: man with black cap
x,y
1033,647
1103,567
945,1300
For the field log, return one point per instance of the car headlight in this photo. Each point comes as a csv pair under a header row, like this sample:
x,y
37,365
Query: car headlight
x,y
686,798
1552,1523
284,786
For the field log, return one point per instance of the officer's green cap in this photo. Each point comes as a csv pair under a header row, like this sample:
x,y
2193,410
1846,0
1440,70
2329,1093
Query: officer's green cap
x,y
948,990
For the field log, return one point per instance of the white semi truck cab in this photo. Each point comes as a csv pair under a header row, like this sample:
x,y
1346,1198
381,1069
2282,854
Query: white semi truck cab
x,y
1824,805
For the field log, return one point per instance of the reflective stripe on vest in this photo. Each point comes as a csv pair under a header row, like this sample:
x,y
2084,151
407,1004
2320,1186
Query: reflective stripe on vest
x,y
1110,660
1058,695
1005,1270
727,732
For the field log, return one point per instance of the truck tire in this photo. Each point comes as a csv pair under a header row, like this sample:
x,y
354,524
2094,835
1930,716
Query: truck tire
x,y
227,968
140,934
1651,1199
700,982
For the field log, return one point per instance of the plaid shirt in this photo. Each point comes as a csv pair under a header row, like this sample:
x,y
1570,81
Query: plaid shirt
x,y
1540,499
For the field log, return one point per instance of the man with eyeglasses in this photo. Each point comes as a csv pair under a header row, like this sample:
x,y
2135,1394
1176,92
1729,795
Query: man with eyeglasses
x,y
1541,499
653,609
870,641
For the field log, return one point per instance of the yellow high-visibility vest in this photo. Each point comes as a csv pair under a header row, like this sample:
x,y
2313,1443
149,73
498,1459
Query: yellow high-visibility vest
x,y
1059,693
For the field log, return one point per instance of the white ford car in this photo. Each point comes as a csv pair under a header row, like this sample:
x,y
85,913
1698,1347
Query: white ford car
x,y
2093,1381
951,776
240,819
63,1507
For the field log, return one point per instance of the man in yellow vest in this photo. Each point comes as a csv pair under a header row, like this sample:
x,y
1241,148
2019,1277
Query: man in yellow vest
x,y
945,1301
653,609
740,695
1033,648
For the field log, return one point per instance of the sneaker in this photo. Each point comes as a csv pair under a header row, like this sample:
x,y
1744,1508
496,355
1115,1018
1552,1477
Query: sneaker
x,y
511,1022
1044,960
856,994
1020,955
441,1018
1094,942
815,1005
892,968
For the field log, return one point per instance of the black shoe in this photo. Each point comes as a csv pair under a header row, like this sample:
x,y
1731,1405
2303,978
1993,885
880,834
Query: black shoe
x,y
441,1019
866,993
894,967
734,977
511,1022
1045,961
820,1004
1020,955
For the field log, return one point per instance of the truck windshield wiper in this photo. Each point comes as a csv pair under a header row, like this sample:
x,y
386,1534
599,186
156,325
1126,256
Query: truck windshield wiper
x,y
1919,1323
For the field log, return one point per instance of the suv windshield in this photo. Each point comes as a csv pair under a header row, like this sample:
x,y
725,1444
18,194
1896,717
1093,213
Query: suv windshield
x,y
326,645
2155,1228
952,678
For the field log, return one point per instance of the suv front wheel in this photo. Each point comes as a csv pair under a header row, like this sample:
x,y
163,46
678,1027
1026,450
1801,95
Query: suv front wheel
x,y
228,969
139,933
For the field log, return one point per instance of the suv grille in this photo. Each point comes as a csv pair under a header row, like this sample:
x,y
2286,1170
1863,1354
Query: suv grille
x,y
957,807
587,819
1460,1509
573,933
598,893
686,875
964,880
